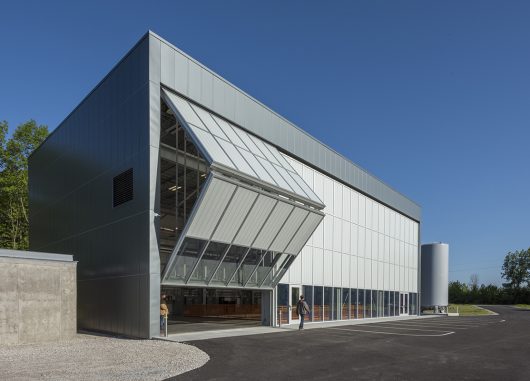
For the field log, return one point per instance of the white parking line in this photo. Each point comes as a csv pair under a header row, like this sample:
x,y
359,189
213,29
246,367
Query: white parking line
x,y
391,333
447,326
395,326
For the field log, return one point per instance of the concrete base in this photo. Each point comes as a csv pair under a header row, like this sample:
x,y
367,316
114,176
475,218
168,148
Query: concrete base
x,y
37,299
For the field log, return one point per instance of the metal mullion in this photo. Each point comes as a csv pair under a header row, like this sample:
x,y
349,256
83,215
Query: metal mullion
x,y
219,264
252,243
272,266
268,248
174,253
238,266
233,239
286,246
210,239
289,262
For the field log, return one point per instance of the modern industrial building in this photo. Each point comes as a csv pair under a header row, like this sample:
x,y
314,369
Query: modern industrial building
x,y
169,179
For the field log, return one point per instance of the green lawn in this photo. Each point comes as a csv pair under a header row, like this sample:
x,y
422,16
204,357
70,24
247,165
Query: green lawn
x,y
527,306
469,310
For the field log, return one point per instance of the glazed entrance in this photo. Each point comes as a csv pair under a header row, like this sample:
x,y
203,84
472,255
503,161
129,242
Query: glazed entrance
x,y
205,309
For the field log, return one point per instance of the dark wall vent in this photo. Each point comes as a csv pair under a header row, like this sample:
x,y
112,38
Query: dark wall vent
x,y
122,188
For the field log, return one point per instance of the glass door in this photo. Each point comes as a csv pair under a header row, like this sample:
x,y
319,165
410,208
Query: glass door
x,y
294,298
403,303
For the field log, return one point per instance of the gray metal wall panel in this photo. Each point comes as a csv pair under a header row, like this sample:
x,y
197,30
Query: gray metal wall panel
x,y
71,197
234,215
303,235
239,107
255,220
287,233
211,209
273,225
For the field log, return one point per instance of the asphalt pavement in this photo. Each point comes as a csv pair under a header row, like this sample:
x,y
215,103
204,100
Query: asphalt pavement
x,y
495,347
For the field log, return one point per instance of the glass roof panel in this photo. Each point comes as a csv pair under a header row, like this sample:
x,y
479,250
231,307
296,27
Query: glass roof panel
x,y
263,148
234,148
212,126
258,168
236,157
184,108
229,131
248,142
214,149
275,175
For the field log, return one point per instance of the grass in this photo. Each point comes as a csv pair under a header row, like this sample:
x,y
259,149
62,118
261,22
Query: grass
x,y
526,306
469,310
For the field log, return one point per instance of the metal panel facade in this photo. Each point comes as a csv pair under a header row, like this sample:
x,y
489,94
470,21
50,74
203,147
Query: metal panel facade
x,y
71,208
237,106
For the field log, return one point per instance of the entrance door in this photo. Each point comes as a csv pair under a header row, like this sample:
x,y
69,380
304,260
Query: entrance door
x,y
294,296
403,303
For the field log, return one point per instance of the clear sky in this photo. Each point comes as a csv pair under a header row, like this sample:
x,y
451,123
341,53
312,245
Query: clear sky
x,y
433,97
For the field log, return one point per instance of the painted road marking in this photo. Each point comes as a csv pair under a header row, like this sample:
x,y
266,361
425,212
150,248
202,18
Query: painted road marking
x,y
392,326
392,333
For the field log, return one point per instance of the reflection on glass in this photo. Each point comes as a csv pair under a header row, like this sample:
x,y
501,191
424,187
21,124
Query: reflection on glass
x,y
186,258
209,261
361,310
283,303
318,302
368,303
354,302
307,292
328,302
228,266
247,268
345,307
279,273
335,310
396,303
387,304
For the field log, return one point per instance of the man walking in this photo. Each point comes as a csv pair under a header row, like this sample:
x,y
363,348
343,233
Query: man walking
x,y
302,309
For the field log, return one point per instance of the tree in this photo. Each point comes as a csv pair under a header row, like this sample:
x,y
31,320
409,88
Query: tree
x,y
516,270
14,153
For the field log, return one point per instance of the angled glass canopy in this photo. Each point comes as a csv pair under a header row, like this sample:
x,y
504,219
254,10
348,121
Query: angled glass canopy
x,y
249,214
231,149
239,236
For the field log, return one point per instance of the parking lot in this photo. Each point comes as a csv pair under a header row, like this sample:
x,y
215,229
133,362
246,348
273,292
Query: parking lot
x,y
471,348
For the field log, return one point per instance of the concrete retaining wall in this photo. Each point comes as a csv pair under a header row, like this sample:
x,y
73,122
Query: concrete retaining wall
x,y
37,298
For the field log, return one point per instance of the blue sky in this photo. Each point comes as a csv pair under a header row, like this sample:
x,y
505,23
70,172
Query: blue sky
x,y
432,97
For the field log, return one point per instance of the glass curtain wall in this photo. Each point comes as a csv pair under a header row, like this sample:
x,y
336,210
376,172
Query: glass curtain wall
x,y
354,304
307,291
345,305
182,174
328,302
318,303
282,302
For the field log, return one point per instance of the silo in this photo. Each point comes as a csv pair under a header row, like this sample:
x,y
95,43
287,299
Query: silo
x,y
435,276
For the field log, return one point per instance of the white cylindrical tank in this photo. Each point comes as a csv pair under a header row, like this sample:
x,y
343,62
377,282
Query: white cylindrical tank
x,y
435,276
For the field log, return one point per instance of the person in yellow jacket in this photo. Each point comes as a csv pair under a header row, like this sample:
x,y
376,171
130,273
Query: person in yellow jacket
x,y
163,310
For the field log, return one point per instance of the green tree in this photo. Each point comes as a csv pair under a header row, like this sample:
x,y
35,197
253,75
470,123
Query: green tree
x,y
14,153
516,270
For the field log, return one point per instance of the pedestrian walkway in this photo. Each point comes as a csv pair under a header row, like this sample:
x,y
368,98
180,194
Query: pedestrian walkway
x,y
215,334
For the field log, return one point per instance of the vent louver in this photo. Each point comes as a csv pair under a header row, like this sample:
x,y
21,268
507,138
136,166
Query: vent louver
x,y
122,188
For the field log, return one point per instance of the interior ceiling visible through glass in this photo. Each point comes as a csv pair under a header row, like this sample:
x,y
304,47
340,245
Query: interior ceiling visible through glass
x,y
232,148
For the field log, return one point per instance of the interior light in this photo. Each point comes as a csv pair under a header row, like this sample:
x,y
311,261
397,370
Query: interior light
x,y
173,188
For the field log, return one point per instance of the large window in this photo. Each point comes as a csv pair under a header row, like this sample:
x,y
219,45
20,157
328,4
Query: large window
x,y
318,303
182,174
328,302
345,305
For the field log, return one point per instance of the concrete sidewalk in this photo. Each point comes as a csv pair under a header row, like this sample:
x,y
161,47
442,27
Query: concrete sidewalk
x,y
215,334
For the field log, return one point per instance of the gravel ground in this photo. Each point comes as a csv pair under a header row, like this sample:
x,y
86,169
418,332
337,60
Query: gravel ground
x,y
93,358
